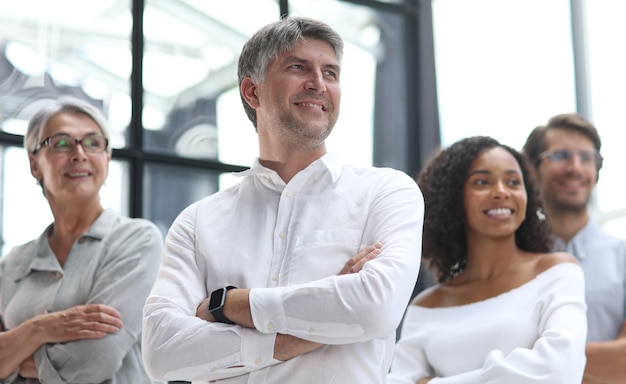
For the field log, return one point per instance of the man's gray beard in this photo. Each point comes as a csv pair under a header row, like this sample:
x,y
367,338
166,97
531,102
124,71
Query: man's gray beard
x,y
300,137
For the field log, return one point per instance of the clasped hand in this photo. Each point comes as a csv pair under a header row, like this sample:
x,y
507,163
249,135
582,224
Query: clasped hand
x,y
89,321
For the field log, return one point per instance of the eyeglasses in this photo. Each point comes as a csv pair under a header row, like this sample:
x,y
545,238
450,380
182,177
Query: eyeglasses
x,y
63,143
565,155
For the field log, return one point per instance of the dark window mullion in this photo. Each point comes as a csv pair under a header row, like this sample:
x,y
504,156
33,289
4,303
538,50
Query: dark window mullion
x,y
135,133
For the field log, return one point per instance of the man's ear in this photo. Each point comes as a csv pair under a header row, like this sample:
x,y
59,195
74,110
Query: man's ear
x,y
249,92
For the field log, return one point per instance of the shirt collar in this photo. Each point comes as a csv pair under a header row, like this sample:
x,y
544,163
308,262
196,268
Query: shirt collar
x,y
102,225
44,260
329,161
587,235
576,245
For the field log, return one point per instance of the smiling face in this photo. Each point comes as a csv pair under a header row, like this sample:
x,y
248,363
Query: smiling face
x,y
297,103
494,194
567,185
73,177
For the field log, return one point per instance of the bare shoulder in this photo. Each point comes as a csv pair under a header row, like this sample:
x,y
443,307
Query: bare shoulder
x,y
548,260
430,298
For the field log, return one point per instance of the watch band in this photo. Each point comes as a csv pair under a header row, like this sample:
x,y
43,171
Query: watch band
x,y
216,304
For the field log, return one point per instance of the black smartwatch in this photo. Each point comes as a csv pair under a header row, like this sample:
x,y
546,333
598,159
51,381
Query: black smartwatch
x,y
216,304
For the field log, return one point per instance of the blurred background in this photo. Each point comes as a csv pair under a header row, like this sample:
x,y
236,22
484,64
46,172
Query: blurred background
x,y
416,74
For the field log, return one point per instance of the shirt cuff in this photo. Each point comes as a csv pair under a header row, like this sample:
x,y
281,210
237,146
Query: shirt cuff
x,y
257,349
267,310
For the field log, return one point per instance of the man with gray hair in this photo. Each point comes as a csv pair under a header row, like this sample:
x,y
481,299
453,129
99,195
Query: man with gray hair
x,y
300,273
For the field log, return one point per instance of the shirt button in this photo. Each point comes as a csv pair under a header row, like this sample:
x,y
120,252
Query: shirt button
x,y
214,369
274,277
59,275
282,235
81,240
311,330
289,194
270,326
258,361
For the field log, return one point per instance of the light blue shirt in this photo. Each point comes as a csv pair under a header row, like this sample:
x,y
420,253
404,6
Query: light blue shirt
x,y
603,259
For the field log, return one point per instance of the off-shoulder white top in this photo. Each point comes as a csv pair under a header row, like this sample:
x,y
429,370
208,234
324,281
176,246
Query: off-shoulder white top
x,y
534,333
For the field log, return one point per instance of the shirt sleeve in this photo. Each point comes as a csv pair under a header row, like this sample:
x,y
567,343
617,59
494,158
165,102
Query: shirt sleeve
x,y
123,282
409,361
173,335
9,379
558,355
362,306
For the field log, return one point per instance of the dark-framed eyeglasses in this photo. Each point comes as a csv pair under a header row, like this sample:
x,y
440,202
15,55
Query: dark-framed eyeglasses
x,y
565,155
64,143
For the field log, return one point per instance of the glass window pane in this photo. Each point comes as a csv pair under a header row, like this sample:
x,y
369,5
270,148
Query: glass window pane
x,y
190,63
503,66
169,189
47,51
114,193
25,211
607,80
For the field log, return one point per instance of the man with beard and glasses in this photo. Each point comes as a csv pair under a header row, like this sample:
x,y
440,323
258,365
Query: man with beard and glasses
x,y
302,272
566,156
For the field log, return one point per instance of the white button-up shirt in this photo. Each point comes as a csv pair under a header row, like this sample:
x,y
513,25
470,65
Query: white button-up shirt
x,y
287,242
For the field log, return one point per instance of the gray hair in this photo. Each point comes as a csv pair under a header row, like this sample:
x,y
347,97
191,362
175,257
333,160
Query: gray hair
x,y
277,38
64,104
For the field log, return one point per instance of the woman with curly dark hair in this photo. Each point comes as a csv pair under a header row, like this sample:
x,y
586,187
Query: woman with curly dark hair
x,y
506,309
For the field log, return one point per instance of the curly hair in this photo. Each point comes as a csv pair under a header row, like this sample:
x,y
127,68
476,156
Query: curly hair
x,y
442,183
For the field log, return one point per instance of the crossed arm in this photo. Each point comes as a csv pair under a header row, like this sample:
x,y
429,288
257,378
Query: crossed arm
x,y
92,321
237,309
48,338
605,361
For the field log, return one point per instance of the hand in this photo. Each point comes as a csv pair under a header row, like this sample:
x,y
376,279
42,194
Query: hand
x,y
424,380
90,321
28,370
356,262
